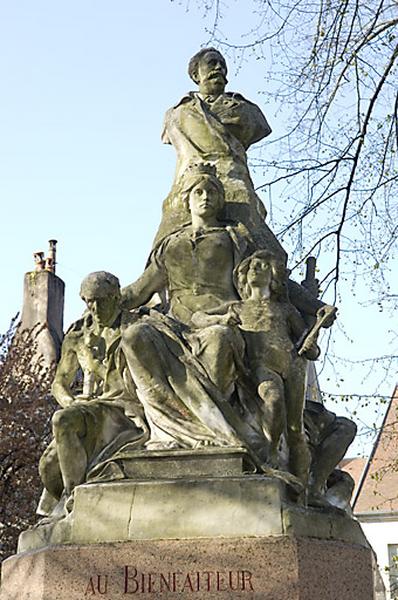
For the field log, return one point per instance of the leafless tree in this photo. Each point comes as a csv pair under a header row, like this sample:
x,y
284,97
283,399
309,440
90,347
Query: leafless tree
x,y
331,65
25,426
329,172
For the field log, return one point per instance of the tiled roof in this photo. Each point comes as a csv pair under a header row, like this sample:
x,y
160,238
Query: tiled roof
x,y
378,491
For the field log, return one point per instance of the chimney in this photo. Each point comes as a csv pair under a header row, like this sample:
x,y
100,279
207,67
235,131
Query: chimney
x,y
43,305
51,258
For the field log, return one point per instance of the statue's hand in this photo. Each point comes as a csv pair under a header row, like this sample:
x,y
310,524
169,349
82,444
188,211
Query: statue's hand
x,y
83,398
328,314
310,349
312,286
65,400
131,317
231,318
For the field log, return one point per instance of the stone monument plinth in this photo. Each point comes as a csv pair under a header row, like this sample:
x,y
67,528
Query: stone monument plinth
x,y
198,525
263,568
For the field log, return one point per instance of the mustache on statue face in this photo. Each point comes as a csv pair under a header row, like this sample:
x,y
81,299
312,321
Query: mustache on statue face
x,y
216,75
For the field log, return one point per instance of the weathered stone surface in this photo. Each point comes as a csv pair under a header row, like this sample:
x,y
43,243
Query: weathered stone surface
x,y
48,534
179,509
43,312
322,524
191,506
180,463
274,568
182,508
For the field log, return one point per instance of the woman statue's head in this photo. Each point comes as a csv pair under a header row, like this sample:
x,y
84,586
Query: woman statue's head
x,y
201,190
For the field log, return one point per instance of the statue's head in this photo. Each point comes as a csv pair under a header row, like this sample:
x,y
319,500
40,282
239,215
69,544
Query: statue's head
x,y
262,269
202,190
101,292
208,69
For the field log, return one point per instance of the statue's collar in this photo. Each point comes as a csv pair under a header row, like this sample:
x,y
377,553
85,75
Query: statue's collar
x,y
190,96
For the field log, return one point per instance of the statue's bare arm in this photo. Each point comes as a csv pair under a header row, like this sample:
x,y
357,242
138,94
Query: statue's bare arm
x,y
66,372
298,328
141,291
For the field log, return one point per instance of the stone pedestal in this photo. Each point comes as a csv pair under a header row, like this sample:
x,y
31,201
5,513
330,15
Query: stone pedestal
x,y
191,525
265,568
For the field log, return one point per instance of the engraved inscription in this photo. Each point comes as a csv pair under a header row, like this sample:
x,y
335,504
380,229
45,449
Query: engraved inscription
x,y
97,584
178,582
136,582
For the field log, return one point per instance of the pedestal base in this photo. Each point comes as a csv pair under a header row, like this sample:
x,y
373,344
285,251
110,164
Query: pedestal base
x,y
185,495
191,525
272,568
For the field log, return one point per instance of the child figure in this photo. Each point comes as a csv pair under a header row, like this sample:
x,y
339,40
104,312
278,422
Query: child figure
x,y
271,327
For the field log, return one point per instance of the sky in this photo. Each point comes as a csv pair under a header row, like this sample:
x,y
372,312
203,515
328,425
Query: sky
x,y
84,86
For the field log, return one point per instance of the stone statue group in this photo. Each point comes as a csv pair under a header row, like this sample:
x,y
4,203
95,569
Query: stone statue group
x,y
210,346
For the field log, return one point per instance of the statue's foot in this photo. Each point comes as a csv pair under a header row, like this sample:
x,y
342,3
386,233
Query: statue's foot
x,y
288,478
159,445
61,510
204,444
317,500
44,521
